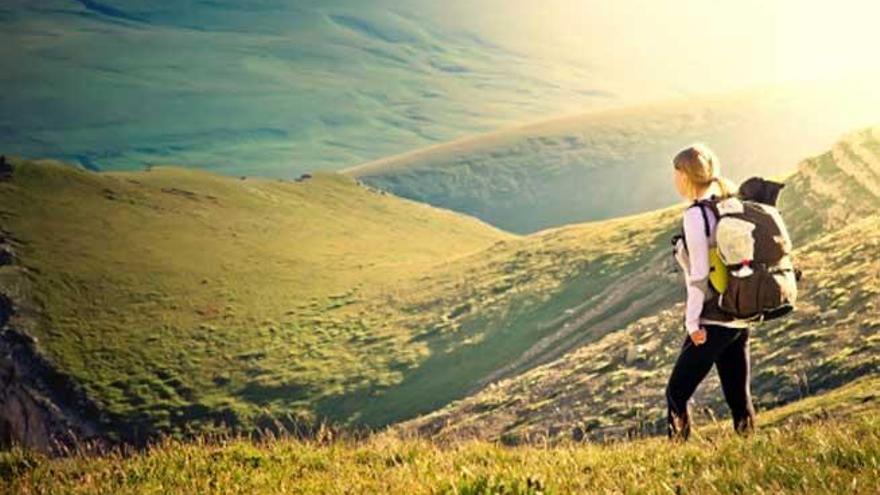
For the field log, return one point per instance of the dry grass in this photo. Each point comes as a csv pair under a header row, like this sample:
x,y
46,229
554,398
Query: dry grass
x,y
818,455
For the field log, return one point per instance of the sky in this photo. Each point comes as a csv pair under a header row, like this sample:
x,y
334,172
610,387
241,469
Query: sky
x,y
689,45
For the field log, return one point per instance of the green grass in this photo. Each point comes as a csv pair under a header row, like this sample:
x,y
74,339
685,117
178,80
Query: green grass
x,y
175,294
825,444
585,258
181,299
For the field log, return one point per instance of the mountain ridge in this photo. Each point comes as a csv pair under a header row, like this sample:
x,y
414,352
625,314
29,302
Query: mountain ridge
x,y
606,163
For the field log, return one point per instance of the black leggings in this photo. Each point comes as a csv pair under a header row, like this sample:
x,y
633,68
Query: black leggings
x,y
728,349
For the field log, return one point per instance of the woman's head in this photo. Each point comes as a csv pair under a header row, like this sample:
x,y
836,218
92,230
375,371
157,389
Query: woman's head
x,y
696,170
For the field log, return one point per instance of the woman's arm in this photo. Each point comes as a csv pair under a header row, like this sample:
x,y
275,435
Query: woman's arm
x,y
698,258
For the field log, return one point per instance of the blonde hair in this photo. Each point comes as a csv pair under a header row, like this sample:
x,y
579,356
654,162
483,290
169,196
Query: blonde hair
x,y
702,169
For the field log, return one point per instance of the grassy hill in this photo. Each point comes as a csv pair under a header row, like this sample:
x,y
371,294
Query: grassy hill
x,y
615,162
824,444
521,303
181,300
181,296
614,386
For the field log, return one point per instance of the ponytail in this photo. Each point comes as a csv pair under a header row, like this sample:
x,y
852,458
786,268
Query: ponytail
x,y
726,187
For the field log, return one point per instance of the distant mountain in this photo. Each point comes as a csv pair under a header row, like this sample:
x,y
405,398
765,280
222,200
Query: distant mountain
x,y
616,162
836,188
614,386
276,88
272,88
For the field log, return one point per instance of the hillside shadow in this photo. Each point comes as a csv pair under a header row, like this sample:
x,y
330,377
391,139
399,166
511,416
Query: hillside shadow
x,y
450,375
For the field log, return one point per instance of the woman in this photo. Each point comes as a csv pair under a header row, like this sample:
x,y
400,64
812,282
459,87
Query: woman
x,y
713,336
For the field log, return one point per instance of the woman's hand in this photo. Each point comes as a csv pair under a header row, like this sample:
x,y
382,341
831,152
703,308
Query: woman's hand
x,y
699,336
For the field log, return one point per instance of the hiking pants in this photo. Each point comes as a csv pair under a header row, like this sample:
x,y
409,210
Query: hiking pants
x,y
728,349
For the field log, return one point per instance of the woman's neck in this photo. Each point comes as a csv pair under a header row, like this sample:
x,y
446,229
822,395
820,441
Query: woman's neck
x,y
706,193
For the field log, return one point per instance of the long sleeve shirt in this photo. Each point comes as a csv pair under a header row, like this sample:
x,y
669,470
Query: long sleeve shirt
x,y
697,268
697,276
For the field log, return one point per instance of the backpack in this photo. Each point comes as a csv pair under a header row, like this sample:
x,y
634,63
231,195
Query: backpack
x,y
753,244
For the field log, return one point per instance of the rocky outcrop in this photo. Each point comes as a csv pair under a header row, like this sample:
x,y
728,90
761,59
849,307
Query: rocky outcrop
x,y
40,408
5,169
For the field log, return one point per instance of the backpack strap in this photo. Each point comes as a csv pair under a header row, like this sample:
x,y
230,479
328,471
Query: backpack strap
x,y
705,220
703,204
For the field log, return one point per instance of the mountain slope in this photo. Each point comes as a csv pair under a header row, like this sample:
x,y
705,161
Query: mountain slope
x,y
180,300
837,187
523,303
614,386
179,296
609,163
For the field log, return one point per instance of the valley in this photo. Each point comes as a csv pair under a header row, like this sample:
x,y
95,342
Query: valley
x,y
258,304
